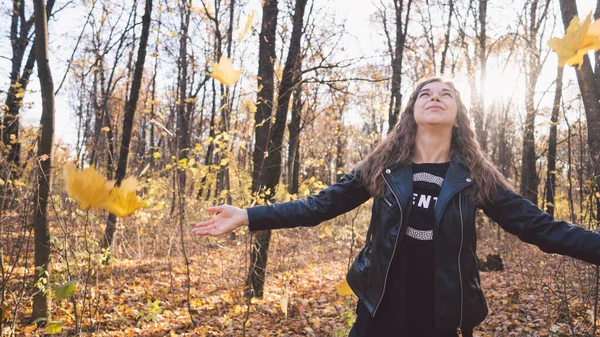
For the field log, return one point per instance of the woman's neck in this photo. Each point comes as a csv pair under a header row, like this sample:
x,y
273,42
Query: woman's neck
x,y
432,146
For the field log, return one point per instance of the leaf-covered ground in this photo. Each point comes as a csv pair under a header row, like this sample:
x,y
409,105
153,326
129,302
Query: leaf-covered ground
x,y
536,295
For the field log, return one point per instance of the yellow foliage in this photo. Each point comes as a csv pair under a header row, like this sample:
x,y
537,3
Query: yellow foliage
x,y
224,72
123,200
247,26
88,187
343,289
579,39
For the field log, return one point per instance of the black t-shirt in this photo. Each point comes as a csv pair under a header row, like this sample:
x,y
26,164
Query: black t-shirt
x,y
418,246
407,306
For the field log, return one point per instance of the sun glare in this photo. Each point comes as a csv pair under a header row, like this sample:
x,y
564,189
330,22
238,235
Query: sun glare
x,y
503,85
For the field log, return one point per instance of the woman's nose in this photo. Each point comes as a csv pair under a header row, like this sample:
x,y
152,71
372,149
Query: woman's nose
x,y
435,96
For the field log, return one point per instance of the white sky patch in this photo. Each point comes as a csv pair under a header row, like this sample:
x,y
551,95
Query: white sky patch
x,y
363,38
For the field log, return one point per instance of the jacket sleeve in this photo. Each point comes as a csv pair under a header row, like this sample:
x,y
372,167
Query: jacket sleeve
x,y
341,197
522,218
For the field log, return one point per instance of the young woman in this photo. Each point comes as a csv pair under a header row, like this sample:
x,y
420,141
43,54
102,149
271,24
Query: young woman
x,y
417,274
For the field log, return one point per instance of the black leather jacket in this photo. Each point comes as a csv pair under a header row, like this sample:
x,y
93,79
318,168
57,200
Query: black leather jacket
x,y
459,301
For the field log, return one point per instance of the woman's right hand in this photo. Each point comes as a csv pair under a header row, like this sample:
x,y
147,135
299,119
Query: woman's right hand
x,y
227,219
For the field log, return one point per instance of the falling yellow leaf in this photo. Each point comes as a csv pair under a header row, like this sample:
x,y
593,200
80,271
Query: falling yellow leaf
x,y
123,201
343,289
247,26
88,187
224,72
579,39
105,129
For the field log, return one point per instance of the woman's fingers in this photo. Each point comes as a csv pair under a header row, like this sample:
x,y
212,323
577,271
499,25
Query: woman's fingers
x,y
204,231
214,209
205,223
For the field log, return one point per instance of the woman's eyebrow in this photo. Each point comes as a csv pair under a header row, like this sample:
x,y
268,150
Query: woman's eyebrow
x,y
427,89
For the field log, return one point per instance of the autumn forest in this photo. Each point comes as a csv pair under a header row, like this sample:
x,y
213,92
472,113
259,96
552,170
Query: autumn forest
x,y
122,121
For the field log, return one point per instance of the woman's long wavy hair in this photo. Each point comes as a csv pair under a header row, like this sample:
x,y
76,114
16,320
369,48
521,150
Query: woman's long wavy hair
x,y
398,148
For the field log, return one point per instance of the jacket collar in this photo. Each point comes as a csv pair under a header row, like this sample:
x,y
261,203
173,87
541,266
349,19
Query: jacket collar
x,y
456,178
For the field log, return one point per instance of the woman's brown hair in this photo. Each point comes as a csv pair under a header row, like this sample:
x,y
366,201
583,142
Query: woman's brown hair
x,y
398,148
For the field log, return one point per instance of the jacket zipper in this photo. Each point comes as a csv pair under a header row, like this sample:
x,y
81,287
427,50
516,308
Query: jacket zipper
x,y
387,201
395,244
458,329
476,267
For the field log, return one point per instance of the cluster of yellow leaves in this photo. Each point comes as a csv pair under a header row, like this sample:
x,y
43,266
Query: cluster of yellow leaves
x,y
579,39
89,188
224,72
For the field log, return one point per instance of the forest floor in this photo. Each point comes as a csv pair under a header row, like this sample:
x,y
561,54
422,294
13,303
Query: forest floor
x,y
535,295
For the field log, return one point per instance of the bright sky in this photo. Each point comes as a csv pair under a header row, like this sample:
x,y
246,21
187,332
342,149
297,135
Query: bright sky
x,y
362,37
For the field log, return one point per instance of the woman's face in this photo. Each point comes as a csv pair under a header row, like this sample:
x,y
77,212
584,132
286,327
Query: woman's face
x,y
436,106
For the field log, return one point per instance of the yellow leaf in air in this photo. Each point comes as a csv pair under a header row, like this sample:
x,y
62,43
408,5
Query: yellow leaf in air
x,y
156,155
88,188
105,129
579,39
343,289
247,26
123,200
224,72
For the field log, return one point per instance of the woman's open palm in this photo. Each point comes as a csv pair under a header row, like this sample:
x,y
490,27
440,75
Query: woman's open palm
x,y
227,219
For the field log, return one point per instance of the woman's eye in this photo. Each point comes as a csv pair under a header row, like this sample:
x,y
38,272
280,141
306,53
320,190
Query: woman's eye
x,y
423,94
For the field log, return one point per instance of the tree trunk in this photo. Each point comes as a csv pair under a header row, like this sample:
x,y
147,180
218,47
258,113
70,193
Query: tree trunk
x,y
478,105
590,94
224,183
128,117
447,36
271,172
294,141
529,177
19,35
183,118
397,56
551,174
42,299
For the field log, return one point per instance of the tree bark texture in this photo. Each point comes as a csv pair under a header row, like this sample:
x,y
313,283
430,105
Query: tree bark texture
x,y
42,299
19,36
551,171
271,169
128,117
294,141
588,85
397,56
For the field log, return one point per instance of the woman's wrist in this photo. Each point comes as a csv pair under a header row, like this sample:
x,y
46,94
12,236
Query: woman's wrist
x,y
246,220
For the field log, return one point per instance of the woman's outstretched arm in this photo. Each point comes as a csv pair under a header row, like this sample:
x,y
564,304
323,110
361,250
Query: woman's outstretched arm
x,y
341,197
522,218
